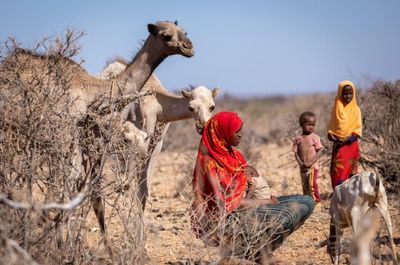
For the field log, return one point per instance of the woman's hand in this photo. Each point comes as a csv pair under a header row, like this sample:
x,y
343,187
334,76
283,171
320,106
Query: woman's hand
x,y
246,204
273,200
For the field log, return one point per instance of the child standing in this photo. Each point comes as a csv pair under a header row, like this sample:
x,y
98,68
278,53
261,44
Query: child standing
x,y
308,148
345,128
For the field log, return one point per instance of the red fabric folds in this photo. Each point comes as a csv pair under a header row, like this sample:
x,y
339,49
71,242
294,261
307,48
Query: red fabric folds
x,y
219,182
344,162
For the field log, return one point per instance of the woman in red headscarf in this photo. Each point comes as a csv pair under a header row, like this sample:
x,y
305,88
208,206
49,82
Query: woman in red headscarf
x,y
220,209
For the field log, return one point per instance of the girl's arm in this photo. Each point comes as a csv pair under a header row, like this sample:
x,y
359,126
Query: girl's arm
x,y
349,139
353,137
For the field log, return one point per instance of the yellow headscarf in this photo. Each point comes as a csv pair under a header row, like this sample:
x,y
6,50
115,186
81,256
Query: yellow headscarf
x,y
345,119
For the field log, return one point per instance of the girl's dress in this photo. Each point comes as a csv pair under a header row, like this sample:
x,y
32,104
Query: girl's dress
x,y
345,123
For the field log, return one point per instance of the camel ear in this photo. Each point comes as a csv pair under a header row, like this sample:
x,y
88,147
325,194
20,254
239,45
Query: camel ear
x,y
186,94
152,29
176,22
215,91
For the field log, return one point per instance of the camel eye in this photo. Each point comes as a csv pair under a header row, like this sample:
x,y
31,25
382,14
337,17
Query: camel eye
x,y
167,37
212,108
191,108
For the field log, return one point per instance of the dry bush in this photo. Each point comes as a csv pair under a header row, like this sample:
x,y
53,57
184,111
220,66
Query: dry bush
x,y
44,190
381,111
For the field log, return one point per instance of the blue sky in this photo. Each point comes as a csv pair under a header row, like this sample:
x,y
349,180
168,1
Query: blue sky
x,y
248,48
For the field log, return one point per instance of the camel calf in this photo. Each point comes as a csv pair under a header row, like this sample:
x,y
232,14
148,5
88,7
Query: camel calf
x,y
351,205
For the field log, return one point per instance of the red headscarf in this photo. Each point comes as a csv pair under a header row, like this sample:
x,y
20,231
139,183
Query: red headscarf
x,y
219,179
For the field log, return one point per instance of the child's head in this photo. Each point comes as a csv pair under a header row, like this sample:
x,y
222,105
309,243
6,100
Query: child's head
x,y
250,171
347,94
307,122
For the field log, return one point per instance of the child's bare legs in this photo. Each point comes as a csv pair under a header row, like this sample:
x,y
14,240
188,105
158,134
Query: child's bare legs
x,y
309,183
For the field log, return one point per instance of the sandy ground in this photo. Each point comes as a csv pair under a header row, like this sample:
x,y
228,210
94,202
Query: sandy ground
x,y
169,239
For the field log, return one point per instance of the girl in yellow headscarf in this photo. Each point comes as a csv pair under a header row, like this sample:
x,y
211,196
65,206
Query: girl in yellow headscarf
x,y
345,128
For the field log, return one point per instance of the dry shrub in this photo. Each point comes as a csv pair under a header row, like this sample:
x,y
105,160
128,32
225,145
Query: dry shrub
x,y
44,190
381,111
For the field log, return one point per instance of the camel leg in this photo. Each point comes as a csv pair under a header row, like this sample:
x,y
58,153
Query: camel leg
x,y
143,190
97,200
99,210
147,172
92,169
137,165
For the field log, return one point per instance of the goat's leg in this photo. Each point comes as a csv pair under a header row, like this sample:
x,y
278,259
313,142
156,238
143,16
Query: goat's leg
x,y
334,240
383,208
364,229
355,220
337,243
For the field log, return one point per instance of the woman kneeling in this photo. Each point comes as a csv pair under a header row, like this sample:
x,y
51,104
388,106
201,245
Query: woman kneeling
x,y
249,229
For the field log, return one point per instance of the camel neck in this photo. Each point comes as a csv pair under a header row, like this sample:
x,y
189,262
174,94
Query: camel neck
x,y
139,70
173,108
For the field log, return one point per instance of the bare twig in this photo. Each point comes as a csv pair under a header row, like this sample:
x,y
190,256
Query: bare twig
x,y
14,246
74,203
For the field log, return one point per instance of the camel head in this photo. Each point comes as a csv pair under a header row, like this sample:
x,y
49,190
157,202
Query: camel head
x,y
201,104
171,38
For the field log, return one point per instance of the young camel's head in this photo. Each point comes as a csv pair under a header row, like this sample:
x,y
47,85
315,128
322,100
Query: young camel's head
x,y
171,39
201,104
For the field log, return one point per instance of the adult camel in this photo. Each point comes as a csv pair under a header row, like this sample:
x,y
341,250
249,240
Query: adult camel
x,y
165,39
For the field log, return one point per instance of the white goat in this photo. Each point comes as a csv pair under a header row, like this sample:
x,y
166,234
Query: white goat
x,y
351,205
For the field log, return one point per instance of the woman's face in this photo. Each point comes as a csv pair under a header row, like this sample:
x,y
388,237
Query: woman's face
x,y
236,137
347,94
